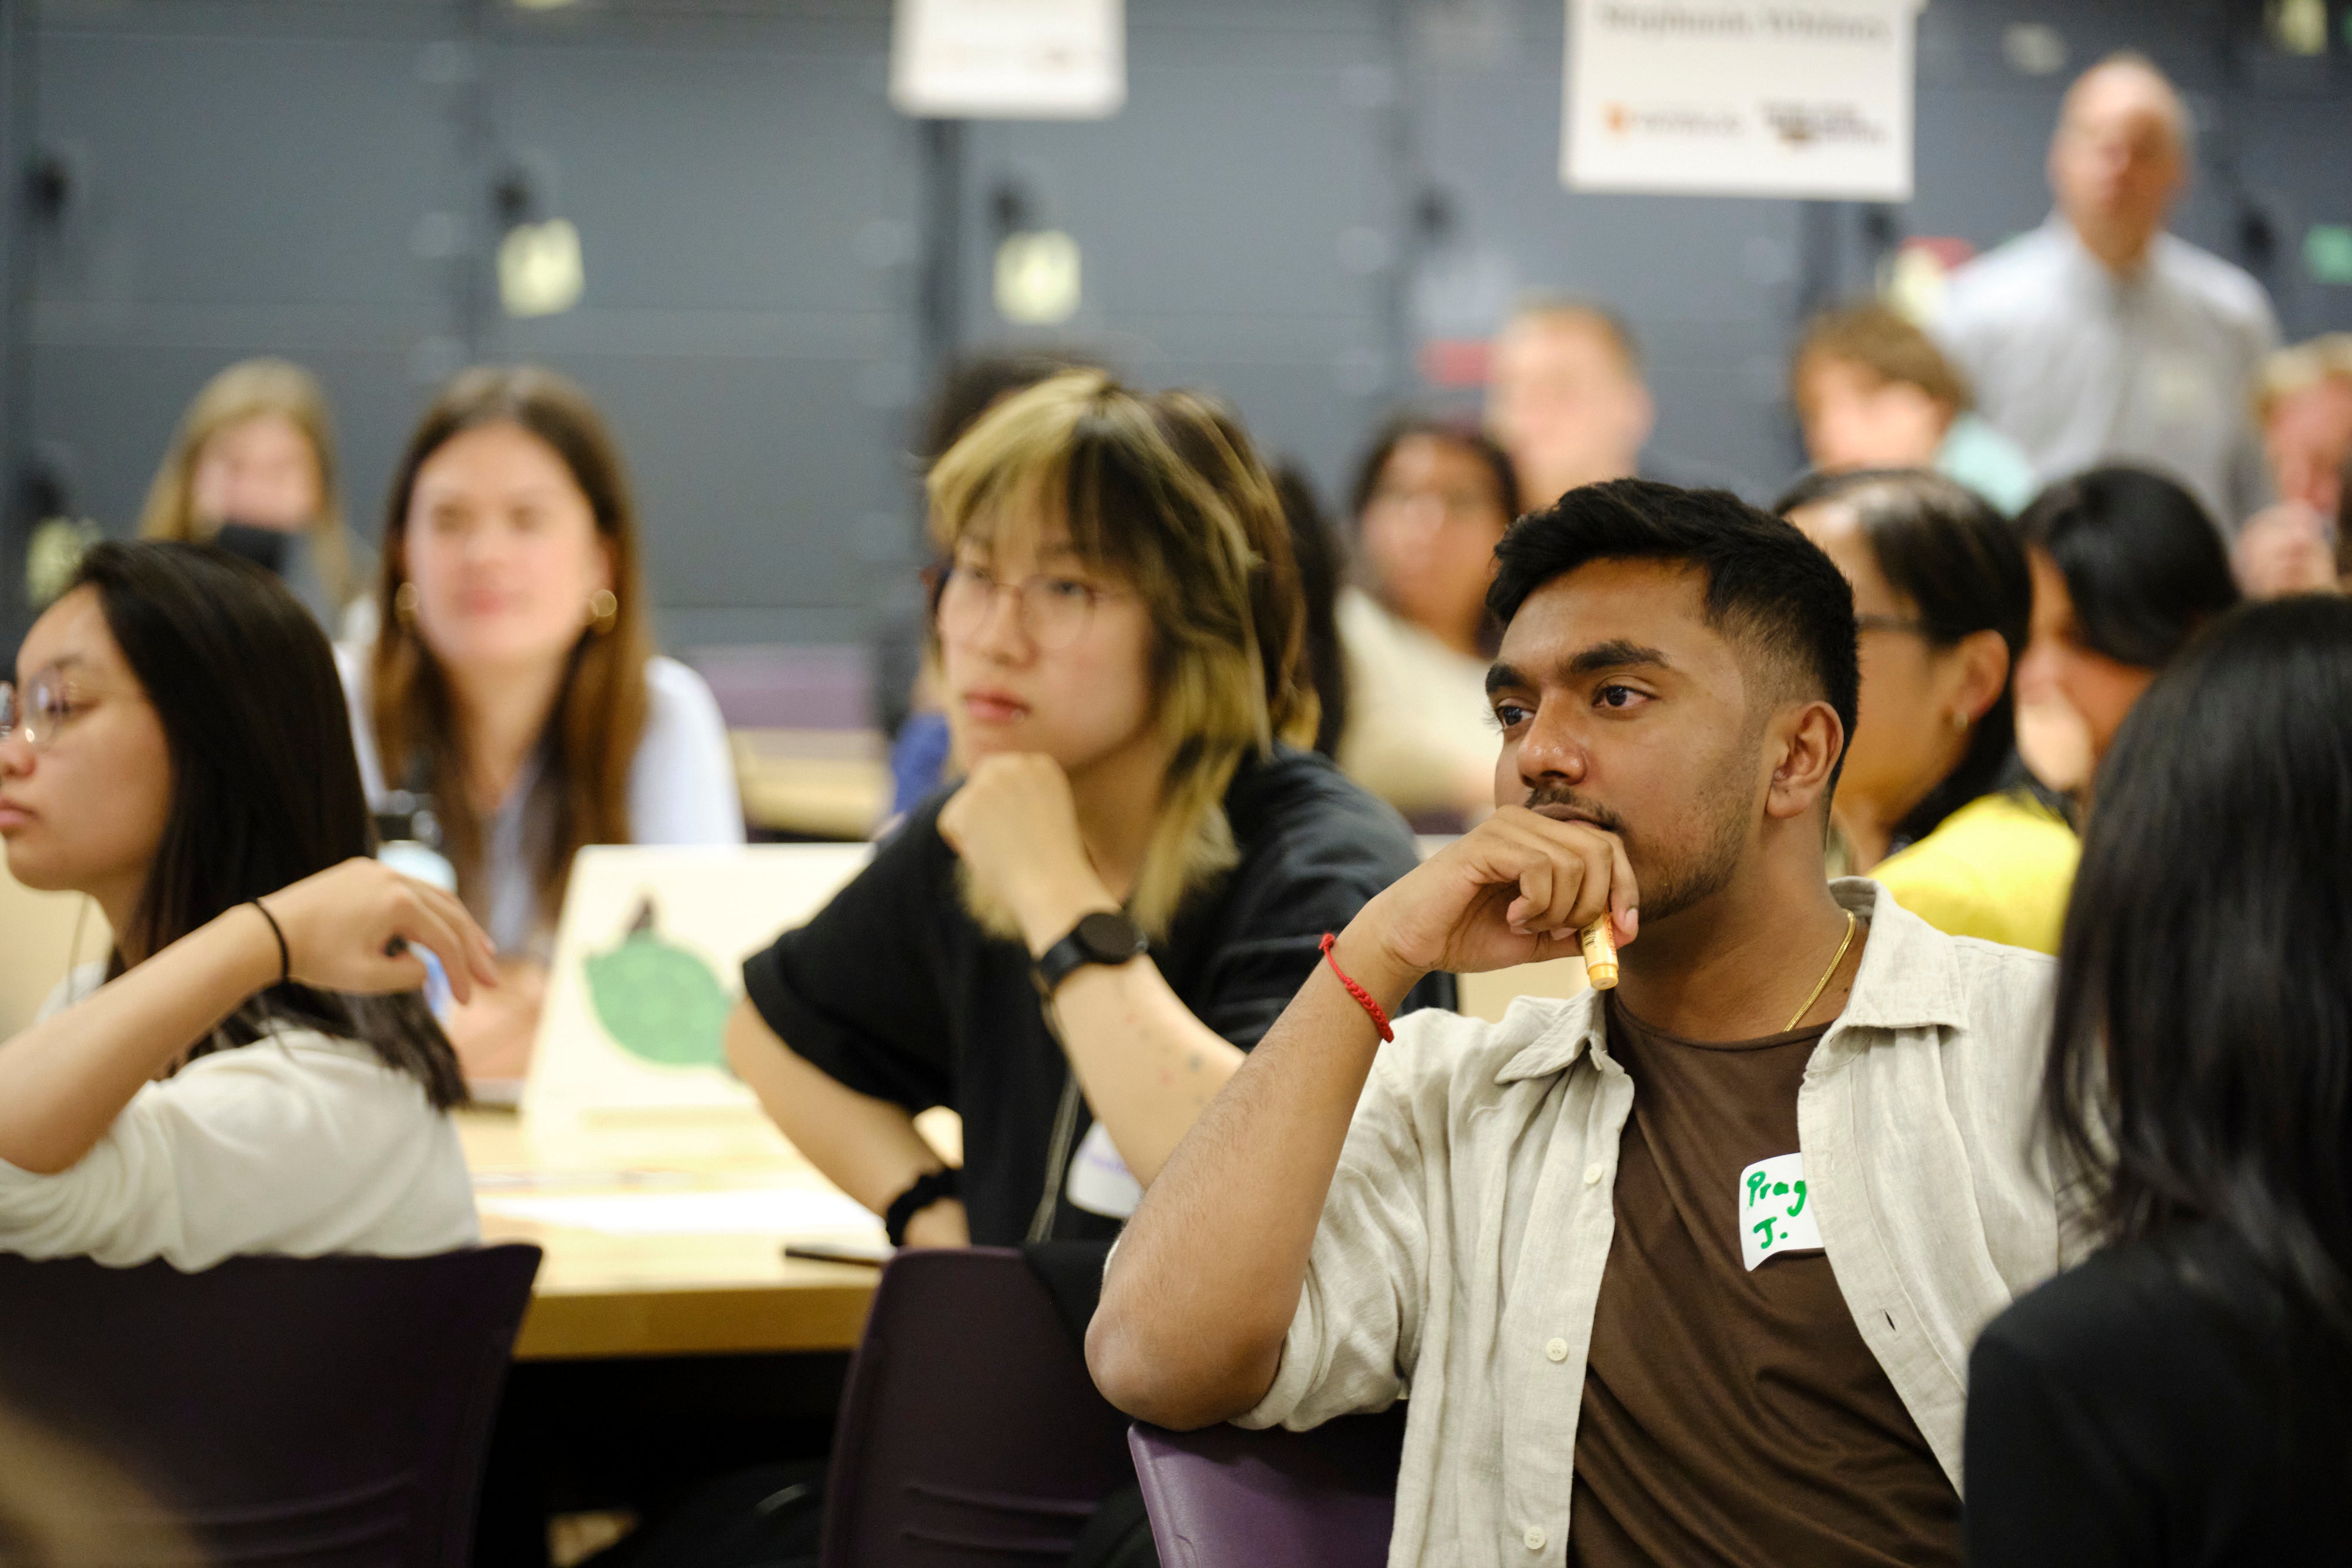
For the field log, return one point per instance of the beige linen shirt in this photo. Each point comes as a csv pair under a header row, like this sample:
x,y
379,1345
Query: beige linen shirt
x,y
1461,1249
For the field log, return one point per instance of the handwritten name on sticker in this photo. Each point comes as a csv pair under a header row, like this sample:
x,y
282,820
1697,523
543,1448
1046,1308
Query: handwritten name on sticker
x,y
1775,1214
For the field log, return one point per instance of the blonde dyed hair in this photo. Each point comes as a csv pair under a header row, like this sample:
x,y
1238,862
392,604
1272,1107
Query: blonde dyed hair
x,y
1166,494
255,389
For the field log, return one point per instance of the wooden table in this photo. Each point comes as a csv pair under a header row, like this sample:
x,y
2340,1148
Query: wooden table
x,y
817,783
601,1294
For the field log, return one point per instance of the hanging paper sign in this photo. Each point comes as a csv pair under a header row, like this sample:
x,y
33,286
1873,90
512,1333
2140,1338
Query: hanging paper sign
x,y
1009,59
1740,97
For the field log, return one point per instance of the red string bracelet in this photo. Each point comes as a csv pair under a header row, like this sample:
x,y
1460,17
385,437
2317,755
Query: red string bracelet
x,y
1363,997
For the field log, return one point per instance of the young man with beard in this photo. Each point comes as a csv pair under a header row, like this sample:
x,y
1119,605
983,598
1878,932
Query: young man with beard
x,y
1682,1272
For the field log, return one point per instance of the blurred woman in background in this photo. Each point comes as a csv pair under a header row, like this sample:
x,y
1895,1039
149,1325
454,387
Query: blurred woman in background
x,y
252,468
2185,1397
174,748
1430,502
514,682
2127,566
1932,800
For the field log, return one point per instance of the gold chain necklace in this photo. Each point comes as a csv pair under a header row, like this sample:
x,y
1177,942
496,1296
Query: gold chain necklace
x,y
1823,983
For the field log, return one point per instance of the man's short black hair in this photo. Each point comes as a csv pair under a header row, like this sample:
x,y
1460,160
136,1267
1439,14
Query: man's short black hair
x,y
1767,583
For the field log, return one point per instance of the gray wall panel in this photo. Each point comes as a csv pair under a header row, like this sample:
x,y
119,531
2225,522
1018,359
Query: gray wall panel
x,y
1708,284
289,171
107,411
747,203
315,178
1199,269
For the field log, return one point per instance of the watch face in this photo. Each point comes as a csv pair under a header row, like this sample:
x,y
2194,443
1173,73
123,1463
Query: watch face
x,y
1110,939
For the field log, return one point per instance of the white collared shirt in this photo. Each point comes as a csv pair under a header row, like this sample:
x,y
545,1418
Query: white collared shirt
x,y
1461,1249
2080,366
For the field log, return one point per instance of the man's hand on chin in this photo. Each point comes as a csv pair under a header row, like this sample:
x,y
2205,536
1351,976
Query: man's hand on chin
x,y
1516,889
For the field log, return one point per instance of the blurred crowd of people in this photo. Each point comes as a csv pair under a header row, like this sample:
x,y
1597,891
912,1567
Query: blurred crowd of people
x,y
1164,692
2093,445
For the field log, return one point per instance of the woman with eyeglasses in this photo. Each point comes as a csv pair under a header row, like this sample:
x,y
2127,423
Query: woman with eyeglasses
x,y
1931,799
1430,502
1075,946
2184,1398
251,1071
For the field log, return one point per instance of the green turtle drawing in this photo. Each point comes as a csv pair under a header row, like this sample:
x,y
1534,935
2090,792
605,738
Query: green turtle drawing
x,y
658,1000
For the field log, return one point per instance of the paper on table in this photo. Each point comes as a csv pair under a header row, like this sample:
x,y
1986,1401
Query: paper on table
x,y
758,1212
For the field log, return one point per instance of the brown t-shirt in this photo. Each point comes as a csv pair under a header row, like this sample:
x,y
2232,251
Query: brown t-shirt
x,y
1733,1416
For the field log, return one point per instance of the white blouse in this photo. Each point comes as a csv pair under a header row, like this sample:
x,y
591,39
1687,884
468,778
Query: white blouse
x,y
681,791
1420,734
299,1144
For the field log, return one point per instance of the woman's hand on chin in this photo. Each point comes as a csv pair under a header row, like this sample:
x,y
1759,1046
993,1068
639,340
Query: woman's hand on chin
x,y
351,929
1015,824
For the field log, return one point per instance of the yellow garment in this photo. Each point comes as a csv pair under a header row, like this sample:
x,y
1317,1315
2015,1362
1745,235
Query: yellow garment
x,y
2000,868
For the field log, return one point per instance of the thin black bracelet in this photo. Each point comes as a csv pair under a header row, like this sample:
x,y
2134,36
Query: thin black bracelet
x,y
927,1190
284,958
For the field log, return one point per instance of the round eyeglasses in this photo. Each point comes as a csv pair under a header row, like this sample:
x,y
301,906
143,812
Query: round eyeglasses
x,y
37,711
1052,611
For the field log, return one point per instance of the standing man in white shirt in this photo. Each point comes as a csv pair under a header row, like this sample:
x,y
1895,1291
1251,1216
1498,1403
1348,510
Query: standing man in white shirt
x,y
2100,338
1685,1272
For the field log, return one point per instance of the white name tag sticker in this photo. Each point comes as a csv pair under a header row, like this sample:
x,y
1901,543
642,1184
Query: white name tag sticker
x,y
1775,1214
1099,1180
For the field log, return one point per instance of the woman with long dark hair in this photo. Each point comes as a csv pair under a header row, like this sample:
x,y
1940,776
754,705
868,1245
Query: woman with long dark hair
x,y
250,1072
2127,566
2185,1397
514,678
1933,801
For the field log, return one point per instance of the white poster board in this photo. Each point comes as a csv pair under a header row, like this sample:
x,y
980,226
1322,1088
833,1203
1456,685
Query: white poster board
x,y
1740,97
1009,59
648,962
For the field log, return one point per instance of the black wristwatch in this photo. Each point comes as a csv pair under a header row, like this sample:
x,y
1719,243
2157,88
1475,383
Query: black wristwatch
x,y
927,1190
1102,937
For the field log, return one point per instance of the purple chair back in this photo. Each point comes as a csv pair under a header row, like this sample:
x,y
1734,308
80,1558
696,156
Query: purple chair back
x,y
333,1412
773,686
970,1432
1223,1498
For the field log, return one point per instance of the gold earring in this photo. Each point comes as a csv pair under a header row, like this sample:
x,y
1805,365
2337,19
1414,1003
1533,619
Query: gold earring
x,y
603,609
404,603
1959,718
